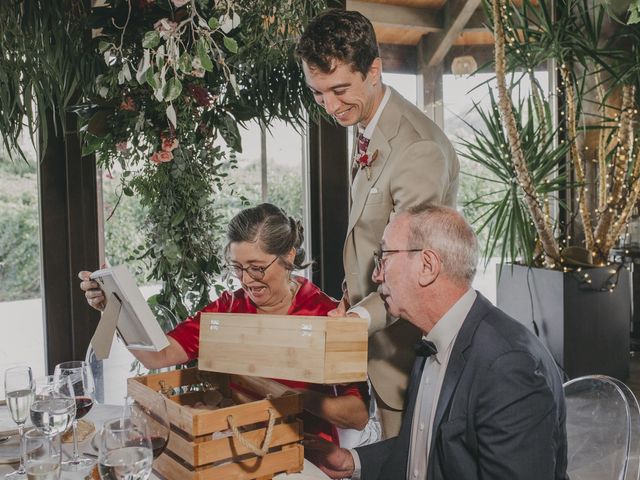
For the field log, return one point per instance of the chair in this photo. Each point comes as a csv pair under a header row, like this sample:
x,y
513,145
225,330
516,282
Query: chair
x,y
603,429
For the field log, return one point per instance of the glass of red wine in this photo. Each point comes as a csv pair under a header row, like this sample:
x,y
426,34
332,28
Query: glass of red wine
x,y
75,380
153,414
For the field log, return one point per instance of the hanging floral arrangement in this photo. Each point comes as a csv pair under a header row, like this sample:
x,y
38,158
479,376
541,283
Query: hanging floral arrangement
x,y
178,78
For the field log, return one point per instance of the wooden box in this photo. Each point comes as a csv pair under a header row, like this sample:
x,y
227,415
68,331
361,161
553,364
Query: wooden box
x,y
201,444
291,347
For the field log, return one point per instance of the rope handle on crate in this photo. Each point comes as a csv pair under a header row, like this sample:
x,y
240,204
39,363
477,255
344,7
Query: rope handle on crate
x,y
260,452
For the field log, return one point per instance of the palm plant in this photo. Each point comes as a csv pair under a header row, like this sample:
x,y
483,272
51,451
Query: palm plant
x,y
587,162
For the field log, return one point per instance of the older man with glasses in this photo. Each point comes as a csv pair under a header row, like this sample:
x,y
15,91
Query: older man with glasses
x,y
485,399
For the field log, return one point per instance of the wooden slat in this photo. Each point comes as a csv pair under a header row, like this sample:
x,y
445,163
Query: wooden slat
x,y
286,460
178,416
207,452
202,422
230,447
246,414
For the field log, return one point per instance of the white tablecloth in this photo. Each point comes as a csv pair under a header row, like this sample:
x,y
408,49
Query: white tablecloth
x,y
100,413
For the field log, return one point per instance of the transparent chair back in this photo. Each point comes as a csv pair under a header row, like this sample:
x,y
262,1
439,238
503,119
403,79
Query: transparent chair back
x,y
603,429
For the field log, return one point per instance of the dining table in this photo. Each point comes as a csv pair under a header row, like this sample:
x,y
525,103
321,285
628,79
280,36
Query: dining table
x,y
9,447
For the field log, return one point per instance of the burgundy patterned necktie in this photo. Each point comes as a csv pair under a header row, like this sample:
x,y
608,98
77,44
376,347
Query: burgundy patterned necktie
x,y
363,143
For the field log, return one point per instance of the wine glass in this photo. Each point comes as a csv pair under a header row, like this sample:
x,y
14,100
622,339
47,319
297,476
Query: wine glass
x,y
43,455
53,411
74,379
154,415
124,450
19,390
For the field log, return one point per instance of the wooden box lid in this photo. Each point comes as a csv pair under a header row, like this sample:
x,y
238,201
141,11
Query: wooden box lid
x,y
290,347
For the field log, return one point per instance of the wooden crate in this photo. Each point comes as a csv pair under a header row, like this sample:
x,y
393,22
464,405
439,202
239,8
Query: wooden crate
x,y
312,349
195,452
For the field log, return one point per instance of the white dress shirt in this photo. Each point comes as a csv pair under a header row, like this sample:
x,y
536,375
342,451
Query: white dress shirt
x,y
443,335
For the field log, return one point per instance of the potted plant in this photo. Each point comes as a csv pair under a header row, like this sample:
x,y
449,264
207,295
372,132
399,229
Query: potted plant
x,y
567,187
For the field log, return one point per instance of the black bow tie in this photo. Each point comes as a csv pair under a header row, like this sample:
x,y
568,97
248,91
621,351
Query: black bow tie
x,y
425,348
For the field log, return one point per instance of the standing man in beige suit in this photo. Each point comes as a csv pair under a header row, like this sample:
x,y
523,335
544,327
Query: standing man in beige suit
x,y
401,158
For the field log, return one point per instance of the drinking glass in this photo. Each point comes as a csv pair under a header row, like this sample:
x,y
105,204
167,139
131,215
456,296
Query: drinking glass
x,y
124,450
74,379
19,389
154,415
53,411
43,455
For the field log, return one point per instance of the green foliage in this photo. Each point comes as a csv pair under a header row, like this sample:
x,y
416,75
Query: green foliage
x,y
19,232
500,211
19,251
45,62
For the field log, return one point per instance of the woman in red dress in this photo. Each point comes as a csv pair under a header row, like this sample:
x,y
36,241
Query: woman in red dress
x,y
264,246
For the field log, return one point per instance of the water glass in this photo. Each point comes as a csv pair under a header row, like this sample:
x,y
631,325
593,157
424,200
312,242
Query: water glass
x,y
52,411
43,455
19,389
124,450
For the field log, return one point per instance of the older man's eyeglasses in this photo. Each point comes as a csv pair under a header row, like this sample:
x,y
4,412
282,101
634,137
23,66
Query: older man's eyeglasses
x,y
255,272
380,255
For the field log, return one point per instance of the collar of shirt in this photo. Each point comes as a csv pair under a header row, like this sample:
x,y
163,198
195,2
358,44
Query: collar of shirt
x,y
447,328
368,131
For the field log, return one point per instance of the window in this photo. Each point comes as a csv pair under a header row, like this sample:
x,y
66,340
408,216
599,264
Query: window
x,y
20,294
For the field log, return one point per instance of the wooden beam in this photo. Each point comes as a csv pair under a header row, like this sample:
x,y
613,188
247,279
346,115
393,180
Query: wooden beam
x,y
457,14
426,20
430,91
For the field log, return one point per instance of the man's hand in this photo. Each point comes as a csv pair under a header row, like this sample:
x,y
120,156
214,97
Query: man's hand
x,y
334,461
341,309
92,292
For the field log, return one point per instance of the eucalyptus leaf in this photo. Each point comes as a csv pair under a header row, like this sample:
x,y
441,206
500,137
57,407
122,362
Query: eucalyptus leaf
x,y
230,44
184,64
173,89
171,115
151,39
213,23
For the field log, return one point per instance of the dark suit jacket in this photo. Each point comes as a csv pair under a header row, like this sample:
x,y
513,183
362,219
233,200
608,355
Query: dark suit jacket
x,y
500,414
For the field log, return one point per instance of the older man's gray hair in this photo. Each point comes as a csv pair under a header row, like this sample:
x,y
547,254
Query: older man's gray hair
x,y
445,231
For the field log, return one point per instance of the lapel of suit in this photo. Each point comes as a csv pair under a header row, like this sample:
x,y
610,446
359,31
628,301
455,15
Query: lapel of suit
x,y
385,130
455,367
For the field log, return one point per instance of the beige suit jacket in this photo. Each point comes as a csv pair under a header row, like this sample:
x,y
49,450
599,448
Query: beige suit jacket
x,y
415,162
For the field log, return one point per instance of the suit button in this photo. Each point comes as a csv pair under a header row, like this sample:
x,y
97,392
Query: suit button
x,y
415,473
421,426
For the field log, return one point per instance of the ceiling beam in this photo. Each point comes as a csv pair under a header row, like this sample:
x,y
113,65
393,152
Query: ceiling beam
x,y
457,15
427,20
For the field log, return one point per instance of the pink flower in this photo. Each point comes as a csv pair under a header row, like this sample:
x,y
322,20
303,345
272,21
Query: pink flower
x,y
128,104
122,147
169,144
179,3
161,157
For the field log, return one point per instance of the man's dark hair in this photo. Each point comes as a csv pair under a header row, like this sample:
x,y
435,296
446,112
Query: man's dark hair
x,y
338,35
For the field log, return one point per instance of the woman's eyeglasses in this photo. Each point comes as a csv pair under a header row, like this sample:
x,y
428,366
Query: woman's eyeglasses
x,y
255,272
